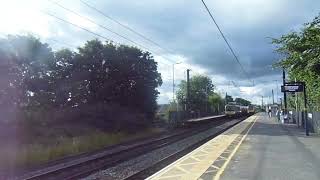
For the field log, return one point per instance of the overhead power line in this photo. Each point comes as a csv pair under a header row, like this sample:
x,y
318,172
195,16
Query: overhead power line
x,y
91,32
131,30
125,26
63,43
109,30
102,26
225,39
80,27
96,34
99,35
165,79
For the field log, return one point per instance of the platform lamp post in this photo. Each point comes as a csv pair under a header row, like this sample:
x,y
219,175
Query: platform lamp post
x,y
188,91
277,99
262,103
284,93
272,97
173,85
305,108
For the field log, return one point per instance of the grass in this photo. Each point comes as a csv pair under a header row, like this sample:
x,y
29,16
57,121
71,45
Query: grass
x,y
33,154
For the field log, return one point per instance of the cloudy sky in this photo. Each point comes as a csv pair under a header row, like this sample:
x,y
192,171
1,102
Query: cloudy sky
x,y
184,31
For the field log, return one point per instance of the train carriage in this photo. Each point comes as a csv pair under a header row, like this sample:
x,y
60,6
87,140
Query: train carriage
x,y
251,109
244,110
232,110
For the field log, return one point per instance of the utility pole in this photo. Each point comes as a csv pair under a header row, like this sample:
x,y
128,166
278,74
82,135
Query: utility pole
x,y
262,102
277,96
173,85
272,97
226,101
207,97
173,100
188,90
284,93
305,108
296,97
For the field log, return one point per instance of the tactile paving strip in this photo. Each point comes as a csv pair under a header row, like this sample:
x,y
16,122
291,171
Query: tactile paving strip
x,y
205,161
211,172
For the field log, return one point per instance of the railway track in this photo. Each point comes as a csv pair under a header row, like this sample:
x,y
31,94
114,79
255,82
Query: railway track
x,y
148,171
75,169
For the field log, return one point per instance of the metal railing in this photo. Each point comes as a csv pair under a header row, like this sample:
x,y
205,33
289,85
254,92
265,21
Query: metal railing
x,y
296,117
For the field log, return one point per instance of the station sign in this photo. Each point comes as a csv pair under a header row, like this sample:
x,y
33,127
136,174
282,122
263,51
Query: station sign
x,y
292,88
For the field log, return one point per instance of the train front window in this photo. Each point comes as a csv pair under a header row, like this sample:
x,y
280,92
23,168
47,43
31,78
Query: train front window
x,y
231,108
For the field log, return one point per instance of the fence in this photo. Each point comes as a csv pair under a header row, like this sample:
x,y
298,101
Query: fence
x,y
176,118
313,120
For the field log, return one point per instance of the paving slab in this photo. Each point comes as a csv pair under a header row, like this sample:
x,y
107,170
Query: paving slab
x,y
272,151
206,161
258,148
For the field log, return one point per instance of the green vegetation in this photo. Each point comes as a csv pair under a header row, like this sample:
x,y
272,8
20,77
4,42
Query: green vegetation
x,y
229,98
203,99
202,95
34,78
242,102
301,58
216,103
32,154
56,103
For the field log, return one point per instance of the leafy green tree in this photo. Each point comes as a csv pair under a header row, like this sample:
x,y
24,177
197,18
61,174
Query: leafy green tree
x,y
216,103
29,63
36,78
301,57
66,85
228,99
242,102
121,74
201,88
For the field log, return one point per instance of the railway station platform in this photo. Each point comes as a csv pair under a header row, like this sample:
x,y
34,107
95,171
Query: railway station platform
x,y
256,148
206,118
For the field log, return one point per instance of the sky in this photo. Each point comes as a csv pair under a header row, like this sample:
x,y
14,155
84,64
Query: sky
x,y
181,32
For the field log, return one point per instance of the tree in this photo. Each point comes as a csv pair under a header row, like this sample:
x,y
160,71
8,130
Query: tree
x,y
201,88
242,102
67,90
121,74
216,103
29,65
228,98
36,78
301,57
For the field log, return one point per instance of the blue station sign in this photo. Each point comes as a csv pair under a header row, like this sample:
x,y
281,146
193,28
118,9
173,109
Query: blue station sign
x,y
292,88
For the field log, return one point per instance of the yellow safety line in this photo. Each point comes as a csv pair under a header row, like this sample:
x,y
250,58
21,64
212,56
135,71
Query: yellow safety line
x,y
221,170
187,156
212,144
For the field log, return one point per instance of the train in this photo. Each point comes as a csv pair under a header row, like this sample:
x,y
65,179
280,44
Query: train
x,y
251,109
235,110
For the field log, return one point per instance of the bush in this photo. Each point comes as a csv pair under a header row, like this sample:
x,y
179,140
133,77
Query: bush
x,y
27,155
107,117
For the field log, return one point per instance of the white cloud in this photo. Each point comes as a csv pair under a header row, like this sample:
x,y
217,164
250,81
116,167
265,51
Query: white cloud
x,y
22,16
79,21
180,25
165,96
247,13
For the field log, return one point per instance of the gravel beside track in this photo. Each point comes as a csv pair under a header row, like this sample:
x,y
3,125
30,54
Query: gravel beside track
x,y
135,160
133,166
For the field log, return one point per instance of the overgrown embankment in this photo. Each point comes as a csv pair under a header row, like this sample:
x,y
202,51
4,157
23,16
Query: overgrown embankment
x,y
56,103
